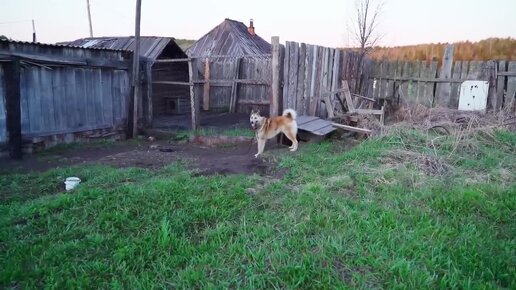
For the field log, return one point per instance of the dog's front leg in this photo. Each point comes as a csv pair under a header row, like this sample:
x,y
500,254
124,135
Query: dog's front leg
x,y
261,146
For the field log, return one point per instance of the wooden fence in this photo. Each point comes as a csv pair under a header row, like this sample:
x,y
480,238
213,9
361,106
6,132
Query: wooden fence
x,y
438,83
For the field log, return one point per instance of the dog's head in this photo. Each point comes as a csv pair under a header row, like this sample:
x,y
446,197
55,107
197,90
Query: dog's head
x,y
255,119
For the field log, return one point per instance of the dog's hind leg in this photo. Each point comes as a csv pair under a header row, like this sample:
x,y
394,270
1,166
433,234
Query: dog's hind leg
x,y
292,137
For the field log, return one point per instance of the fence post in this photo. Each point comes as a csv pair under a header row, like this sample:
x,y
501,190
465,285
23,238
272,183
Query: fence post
x,y
442,98
274,102
206,92
12,104
193,100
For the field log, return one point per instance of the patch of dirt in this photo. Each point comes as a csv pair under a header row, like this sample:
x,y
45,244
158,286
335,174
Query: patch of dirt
x,y
233,156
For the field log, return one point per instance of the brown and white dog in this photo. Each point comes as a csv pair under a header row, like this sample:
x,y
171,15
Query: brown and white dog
x,y
267,128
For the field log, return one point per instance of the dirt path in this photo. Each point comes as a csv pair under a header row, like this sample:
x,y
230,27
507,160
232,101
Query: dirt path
x,y
237,158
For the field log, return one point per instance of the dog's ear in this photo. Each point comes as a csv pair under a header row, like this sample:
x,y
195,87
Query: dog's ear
x,y
258,112
252,111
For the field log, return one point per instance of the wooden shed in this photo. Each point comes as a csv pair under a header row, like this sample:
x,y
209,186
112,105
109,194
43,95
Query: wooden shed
x,y
232,68
51,94
158,99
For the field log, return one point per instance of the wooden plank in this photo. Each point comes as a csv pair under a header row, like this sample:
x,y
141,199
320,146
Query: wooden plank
x,y
275,97
80,98
307,80
234,87
36,122
47,98
323,79
312,104
369,111
347,96
206,90
172,60
334,81
286,73
352,129
107,99
300,120
500,85
314,125
491,70
194,105
511,87
300,79
13,108
443,92
455,87
293,72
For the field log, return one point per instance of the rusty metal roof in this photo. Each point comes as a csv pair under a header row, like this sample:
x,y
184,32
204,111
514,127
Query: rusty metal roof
x,y
150,46
229,38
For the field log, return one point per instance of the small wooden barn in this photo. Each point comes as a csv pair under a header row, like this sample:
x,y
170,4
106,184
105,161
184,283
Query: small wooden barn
x,y
51,94
232,68
158,99
230,38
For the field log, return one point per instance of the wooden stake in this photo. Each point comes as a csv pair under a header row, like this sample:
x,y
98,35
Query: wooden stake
x,y
194,104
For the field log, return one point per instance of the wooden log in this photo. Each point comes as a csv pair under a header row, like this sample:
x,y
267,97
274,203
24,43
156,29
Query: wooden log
x,y
443,92
13,108
173,60
352,129
274,101
194,105
206,88
234,87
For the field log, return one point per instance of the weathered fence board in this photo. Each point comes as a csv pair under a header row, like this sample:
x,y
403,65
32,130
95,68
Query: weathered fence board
x,y
3,120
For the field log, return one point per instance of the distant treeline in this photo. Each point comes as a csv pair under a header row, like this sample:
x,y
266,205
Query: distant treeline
x,y
487,49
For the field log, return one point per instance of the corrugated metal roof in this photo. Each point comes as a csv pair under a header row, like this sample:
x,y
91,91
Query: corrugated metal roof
x,y
150,46
229,38
60,45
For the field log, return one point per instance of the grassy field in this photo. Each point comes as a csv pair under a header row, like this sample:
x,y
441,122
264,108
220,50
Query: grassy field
x,y
408,211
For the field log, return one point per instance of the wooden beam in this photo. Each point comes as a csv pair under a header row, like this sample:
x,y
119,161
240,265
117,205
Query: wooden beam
x,y
194,105
352,129
369,111
172,60
234,86
275,96
206,89
172,83
68,61
13,108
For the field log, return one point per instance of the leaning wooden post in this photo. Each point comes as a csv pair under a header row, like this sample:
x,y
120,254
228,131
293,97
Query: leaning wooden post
x,y
13,112
206,93
194,104
274,102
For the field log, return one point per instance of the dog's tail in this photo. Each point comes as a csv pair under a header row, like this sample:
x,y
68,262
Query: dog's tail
x,y
289,113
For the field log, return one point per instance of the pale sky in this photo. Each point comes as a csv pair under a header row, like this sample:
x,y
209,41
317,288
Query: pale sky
x,y
322,22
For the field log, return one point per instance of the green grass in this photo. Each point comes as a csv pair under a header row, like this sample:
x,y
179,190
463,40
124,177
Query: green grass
x,y
375,216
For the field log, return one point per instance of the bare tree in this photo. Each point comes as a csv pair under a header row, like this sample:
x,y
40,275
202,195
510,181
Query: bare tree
x,y
364,29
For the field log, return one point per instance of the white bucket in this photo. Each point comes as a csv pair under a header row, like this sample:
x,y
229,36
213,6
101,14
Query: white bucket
x,y
72,182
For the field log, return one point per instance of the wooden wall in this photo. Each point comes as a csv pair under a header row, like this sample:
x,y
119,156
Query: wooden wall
x,y
3,120
61,99
246,80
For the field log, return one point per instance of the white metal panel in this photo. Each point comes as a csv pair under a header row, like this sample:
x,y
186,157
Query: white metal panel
x,y
473,95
